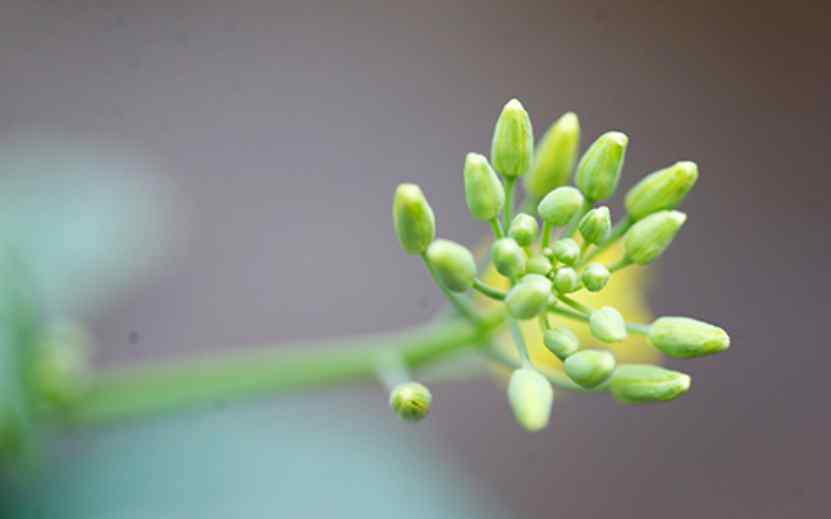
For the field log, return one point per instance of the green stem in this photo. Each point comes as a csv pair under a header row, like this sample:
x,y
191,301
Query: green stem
x,y
638,328
575,220
619,264
521,347
575,304
618,230
546,234
510,190
497,227
488,290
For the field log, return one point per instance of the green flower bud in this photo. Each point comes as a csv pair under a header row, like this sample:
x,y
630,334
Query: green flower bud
x,y
524,229
566,250
508,257
531,397
555,156
413,218
538,264
411,401
599,170
453,263
566,280
562,342
661,190
684,337
596,225
484,193
513,141
528,297
607,324
61,363
650,237
559,206
590,368
595,277
644,383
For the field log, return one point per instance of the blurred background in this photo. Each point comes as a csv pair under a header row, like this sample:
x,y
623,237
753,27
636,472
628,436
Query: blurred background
x,y
283,129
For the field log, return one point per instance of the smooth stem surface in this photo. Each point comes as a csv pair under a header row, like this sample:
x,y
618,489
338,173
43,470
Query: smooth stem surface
x,y
510,191
575,221
546,234
488,290
497,227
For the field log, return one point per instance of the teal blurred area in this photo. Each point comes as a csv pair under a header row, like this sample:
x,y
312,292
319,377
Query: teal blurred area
x,y
303,459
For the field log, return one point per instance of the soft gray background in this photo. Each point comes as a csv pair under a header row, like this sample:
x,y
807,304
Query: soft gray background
x,y
286,128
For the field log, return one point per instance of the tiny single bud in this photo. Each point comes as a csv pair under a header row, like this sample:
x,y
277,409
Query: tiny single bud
x,y
508,257
595,276
453,263
555,156
562,342
531,397
513,141
559,206
644,383
61,362
538,264
686,338
661,190
599,169
529,297
413,219
650,237
566,251
411,401
524,229
484,193
590,368
566,280
607,324
596,225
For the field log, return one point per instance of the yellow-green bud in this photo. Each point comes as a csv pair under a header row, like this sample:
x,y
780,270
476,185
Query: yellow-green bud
x,y
663,189
513,141
644,383
566,250
531,397
413,218
596,225
684,337
453,264
599,169
60,364
607,324
411,401
528,297
538,264
566,280
555,156
562,342
595,276
590,368
484,193
650,237
559,206
524,229
508,257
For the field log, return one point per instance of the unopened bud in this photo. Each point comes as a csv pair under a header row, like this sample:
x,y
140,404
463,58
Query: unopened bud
x,y
413,218
453,263
566,280
596,225
595,276
566,251
590,368
508,257
411,401
555,156
524,229
650,237
484,193
644,383
599,169
559,206
513,141
538,264
531,397
684,337
607,324
562,342
529,297
661,190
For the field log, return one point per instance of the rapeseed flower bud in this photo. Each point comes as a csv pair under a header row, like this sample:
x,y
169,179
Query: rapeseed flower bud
x,y
555,156
644,383
508,257
596,225
607,324
453,264
686,338
531,397
528,297
566,251
566,280
559,206
661,190
413,219
484,192
590,368
411,401
538,264
562,342
650,237
513,141
524,229
599,169
595,276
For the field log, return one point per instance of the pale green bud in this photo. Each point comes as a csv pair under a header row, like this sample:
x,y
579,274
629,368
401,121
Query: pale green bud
x,y
484,193
555,156
538,264
607,324
411,401
566,251
566,280
663,189
644,383
508,257
650,237
413,219
61,362
590,368
599,169
562,342
596,225
686,338
531,397
559,206
513,141
528,297
453,263
595,276
524,229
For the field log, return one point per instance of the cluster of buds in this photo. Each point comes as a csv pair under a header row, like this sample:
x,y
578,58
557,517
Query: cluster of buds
x,y
547,253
